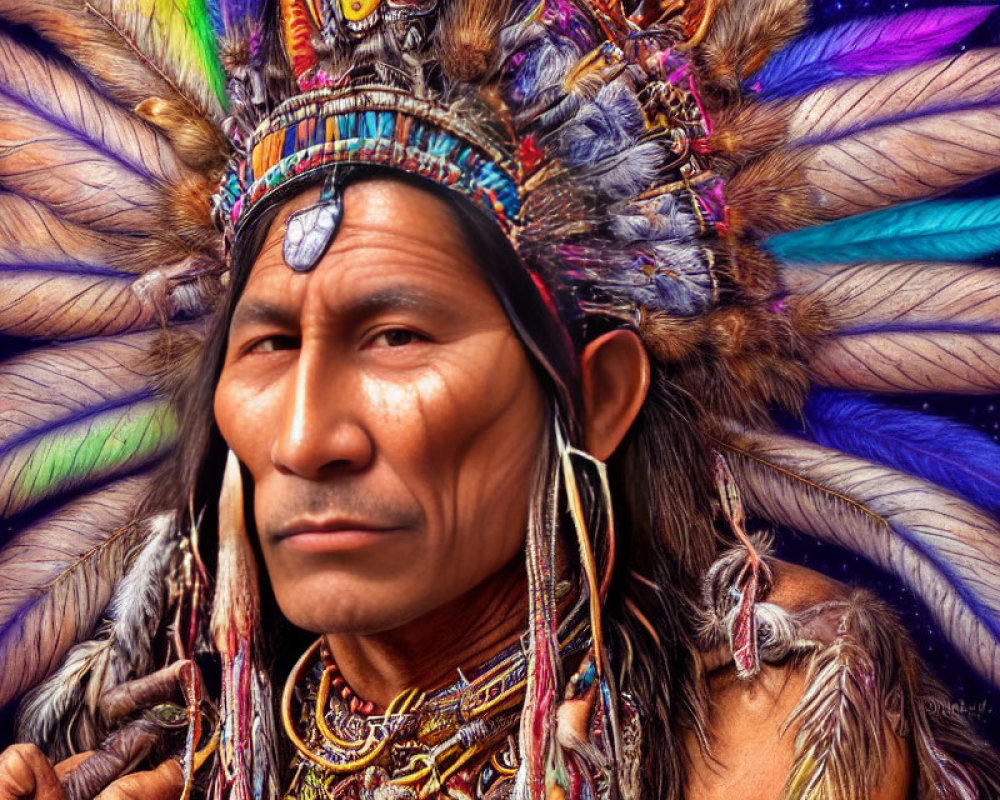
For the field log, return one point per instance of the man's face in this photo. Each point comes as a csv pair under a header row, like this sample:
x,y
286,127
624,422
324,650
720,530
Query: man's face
x,y
387,413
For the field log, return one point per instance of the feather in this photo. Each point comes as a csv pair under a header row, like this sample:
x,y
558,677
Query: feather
x,y
121,648
932,230
31,234
73,302
841,739
176,38
945,549
962,460
104,442
904,327
866,46
56,578
901,296
950,84
102,53
54,94
907,160
866,686
86,185
468,38
918,361
44,385
246,764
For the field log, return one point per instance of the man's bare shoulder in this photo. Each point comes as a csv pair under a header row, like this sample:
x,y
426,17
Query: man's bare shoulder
x,y
752,750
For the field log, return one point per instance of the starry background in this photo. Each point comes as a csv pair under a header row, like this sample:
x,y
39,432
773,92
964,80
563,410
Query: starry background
x,y
973,696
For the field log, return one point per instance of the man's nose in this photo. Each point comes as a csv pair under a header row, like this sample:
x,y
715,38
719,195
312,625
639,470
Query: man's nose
x,y
320,431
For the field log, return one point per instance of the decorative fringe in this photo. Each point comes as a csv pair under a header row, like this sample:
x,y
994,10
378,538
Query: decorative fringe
x,y
540,754
560,753
594,681
750,584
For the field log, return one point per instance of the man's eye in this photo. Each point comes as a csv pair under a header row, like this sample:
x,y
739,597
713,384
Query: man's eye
x,y
272,344
397,337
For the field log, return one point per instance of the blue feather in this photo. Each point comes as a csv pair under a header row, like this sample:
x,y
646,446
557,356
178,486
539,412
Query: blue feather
x,y
935,230
960,459
866,47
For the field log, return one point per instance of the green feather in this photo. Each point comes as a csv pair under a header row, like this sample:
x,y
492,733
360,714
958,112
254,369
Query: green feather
x,y
92,449
936,230
203,41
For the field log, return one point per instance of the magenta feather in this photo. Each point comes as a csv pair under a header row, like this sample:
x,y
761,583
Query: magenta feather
x,y
865,47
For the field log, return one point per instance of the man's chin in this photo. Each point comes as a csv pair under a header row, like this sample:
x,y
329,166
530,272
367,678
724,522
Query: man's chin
x,y
356,612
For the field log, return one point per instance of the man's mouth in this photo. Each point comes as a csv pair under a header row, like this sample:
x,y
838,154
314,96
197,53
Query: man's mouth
x,y
331,535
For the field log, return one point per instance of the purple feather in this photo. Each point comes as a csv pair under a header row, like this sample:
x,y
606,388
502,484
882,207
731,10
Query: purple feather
x,y
960,459
866,47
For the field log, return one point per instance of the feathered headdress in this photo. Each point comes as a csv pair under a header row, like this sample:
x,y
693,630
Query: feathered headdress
x,y
771,207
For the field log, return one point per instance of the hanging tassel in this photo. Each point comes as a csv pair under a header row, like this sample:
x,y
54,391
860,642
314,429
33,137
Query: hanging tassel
x,y
752,581
541,774
246,762
592,681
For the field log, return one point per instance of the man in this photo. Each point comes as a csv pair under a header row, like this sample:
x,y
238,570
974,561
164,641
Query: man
x,y
419,397
393,425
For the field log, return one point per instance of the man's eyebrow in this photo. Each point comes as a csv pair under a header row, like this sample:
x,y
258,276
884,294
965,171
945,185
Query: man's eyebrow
x,y
397,297
261,312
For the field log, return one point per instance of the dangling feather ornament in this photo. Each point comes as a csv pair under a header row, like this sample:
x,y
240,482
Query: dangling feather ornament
x,y
247,763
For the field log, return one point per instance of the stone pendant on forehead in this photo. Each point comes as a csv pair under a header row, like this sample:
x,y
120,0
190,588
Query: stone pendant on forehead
x,y
308,232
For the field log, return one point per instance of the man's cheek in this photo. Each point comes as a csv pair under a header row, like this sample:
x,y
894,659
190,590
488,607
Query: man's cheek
x,y
246,419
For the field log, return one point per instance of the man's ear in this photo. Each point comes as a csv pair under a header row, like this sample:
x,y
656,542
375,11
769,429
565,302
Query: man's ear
x,y
615,372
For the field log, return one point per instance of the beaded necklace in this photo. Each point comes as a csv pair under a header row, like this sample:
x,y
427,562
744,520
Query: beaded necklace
x,y
458,742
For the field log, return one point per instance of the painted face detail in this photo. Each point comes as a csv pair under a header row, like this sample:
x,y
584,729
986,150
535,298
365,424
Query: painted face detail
x,y
357,10
388,415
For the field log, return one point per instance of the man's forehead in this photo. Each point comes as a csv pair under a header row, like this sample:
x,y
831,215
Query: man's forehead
x,y
388,207
397,243
402,222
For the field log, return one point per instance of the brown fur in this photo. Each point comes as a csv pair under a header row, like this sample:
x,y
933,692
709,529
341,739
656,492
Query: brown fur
x,y
770,195
196,141
750,360
742,35
670,339
747,131
190,216
467,38
751,270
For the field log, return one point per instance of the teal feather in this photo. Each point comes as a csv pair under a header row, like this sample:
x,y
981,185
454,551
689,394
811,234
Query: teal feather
x,y
952,230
